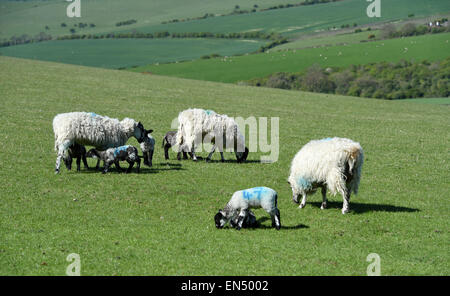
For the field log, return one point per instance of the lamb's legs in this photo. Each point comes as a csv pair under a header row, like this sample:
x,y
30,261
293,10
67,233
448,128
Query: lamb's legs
x,y
138,160
106,168
275,216
194,157
346,204
78,163
85,162
118,167
150,159
146,158
131,166
185,155
211,153
97,166
241,218
303,203
324,198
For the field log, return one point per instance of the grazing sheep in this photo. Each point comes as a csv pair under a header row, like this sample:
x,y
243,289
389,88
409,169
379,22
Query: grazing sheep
x,y
148,147
76,151
169,140
241,202
332,163
94,130
114,155
197,124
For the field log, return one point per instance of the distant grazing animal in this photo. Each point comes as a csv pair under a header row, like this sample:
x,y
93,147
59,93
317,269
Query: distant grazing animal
x,y
114,155
91,129
148,147
170,140
76,151
197,124
332,163
243,200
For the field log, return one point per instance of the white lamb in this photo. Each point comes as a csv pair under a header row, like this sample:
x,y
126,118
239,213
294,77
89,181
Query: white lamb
x,y
148,147
196,125
92,130
243,200
333,163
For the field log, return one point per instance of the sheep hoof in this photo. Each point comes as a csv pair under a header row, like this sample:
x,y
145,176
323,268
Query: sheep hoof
x,y
345,211
301,206
323,206
56,172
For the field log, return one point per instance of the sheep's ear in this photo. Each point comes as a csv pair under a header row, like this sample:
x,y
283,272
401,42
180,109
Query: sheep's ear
x,y
149,131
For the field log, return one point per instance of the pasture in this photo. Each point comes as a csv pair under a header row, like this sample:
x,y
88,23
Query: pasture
x,y
121,53
432,47
160,222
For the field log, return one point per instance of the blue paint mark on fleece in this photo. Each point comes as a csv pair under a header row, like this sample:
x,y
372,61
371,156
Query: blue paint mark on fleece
x,y
327,139
93,114
209,112
303,183
119,149
257,192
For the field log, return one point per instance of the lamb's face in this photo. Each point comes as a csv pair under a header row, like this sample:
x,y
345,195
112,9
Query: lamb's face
x,y
295,195
242,156
220,219
140,133
91,153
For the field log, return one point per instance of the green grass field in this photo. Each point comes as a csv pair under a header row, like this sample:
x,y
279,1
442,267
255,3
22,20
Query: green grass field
x,y
160,222
436,101
306,19
120,53
426,47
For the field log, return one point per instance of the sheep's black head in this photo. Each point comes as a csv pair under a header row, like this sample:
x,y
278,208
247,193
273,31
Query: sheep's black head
x,y
220,219
140,132
242,156
68,162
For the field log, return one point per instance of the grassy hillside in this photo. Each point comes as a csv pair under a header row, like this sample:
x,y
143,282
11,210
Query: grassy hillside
x,y
307,18
118,53
430,47
31,17
160,222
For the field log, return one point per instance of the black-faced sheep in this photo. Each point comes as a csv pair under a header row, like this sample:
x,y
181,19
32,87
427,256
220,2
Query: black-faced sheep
x,y
332,163
148,147
170,140
76,151
195,125
243,200
91,129
114,155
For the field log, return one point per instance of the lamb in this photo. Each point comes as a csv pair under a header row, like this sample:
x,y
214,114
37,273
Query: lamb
x,y
169,140
197,124
249,221
91,129
332,163
148,147
76,151
241,202
114,155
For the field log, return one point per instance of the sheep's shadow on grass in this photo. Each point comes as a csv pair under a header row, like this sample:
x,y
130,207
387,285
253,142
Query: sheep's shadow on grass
x,y
262,219
359,208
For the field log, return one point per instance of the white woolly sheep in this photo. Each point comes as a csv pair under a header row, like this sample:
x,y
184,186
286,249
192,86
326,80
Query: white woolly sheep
x,y
148,147
197,124
241,202
332,163
114,155
91,129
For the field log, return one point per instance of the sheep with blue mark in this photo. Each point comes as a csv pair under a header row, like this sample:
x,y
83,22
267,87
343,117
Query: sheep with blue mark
x,y
88,128
114,155
243,200
148,147
331,163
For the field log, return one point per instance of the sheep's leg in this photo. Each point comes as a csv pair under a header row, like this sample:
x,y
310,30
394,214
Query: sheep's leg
x,y
106,168
97,166
211,153
138,160
240,220
324,198
78,163
85,162
150,159
130,167
166,152
194,157
303,203
185,155
346,205
118,167
221,157
146,158
275,216
61,151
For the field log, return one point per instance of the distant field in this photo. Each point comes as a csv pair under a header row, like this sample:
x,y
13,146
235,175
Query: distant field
x,y
307,18
312,41
30,17
434,101
430,47
160,222
118,53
